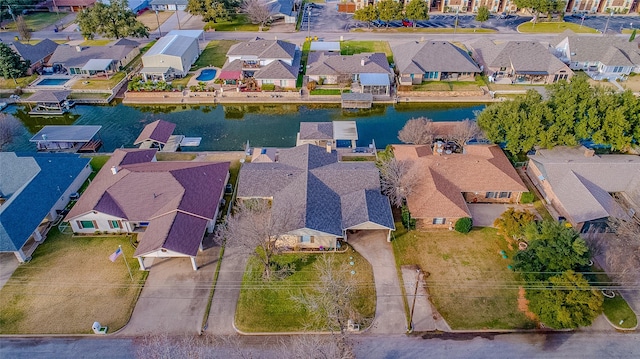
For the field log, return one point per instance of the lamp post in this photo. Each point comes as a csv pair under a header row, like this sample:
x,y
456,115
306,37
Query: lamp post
x,y
455,24
177,17
606,26
309,23
582,21
158,20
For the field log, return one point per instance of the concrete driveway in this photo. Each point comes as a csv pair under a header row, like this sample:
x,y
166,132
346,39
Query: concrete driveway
x,y
174,296
484,214
390,314
8,264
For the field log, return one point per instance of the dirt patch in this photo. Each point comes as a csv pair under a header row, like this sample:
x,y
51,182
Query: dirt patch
x,y
523,305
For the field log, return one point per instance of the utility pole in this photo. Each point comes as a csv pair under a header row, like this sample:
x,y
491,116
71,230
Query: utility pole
x,y
413,305
158,20
606,26
177,17
455,24
309,23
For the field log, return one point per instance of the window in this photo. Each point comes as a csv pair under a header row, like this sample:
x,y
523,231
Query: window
x,y
490,195
439,220
114,224
505,194
86,224
306,239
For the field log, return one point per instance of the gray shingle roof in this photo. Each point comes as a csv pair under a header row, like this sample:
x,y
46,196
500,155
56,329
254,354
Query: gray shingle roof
x,y
316,130
318,189
522,56
608,50
264,49
69,56
441,56
327,63
37,52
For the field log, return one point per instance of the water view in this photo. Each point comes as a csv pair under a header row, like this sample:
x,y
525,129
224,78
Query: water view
x,y
229,127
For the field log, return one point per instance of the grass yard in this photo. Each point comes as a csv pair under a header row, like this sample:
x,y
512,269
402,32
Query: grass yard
x,y
99,84
619,313
138,59
269,307
69,284
175,156
88,95
357,47
447,86
215,54
100,42
236,23
554,27
36,21
148,18
22,82
328,92
176,83
469,282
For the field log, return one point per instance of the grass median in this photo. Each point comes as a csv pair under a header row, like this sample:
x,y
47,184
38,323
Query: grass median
x,y
554,27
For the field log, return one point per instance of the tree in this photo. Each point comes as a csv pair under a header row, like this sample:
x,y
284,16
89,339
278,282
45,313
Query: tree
x,y
417,10
417,131
466,130
11,64
367,13
464,225
257,11
9,126
23,29
553,248
565,301
113,20
389,10
398,180
541,6
483,14
210,10
255,228
512,222
633,35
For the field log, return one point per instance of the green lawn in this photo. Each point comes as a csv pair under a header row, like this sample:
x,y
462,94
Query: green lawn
x,y
181,81
22,82
101,42
215,54
37,21
468,280
69,284
619,313
99,83
328,92
236,23
554,27
269,307
357,47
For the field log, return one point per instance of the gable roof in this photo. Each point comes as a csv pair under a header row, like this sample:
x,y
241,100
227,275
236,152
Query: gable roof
x,y
329,63
481,168
611,51
263,49
582,183
157,131
307,181
50,96
521,56
69,56
32,184
279,70
316,130
171,45
36,52
441,56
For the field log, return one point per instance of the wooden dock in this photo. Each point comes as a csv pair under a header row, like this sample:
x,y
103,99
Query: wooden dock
x,y
357,100
173,144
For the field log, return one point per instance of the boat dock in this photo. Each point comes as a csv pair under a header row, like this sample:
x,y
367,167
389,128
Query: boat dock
x,y
357,100
67,139
159,134
49,103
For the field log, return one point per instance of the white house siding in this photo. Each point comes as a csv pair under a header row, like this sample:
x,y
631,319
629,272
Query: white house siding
x,y
74,187
328,80
181,64
101,223
278,82
164,253
317,239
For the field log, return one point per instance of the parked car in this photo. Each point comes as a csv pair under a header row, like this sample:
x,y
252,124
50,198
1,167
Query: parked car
x,y
378,23
407,23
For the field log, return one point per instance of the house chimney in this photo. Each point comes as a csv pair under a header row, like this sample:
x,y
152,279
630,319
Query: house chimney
x,y
589,152
328,147
78,48
114,170
363,61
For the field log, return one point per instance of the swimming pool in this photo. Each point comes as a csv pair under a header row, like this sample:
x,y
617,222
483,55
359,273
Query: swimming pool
x,y
52,82
206,75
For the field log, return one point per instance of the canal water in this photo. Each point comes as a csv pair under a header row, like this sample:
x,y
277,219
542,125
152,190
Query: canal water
x,y
229,127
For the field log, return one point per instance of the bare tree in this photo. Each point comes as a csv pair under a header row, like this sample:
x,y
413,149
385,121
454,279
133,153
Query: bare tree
x,y
23,29
257,11
312,347
256,228
9,126
417,131
163,346
466,130
398,180
330,304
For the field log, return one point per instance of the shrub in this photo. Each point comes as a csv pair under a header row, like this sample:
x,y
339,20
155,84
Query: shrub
x,y
464,225
268,87
512,222
408,222
527,197
311,85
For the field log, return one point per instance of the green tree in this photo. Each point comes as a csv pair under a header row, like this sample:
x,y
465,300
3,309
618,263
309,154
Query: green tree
x,y
114,20
11,65
389,10
553,248
464,225
633,35
417,10
483,14
512,222
565,301
541,6
210,10
367,13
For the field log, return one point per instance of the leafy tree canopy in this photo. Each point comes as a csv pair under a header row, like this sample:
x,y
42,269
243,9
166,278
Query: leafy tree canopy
x,y
483,14
573,112
11,64
565,301
417,10
389,10
541,6
512,222
367,13
114,20
210,10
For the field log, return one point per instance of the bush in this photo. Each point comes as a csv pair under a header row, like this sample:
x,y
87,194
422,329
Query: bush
x,y
527,197
464,225
311,85
408,222
268,87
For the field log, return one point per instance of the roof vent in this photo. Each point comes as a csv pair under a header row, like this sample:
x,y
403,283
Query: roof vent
x,y
363,61
114,170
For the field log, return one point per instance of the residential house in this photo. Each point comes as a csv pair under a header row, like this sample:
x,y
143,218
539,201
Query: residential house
x,y
370,70
172,56
68,5
450,181
603,6
323,199
37,54
287,10
136,6
273,62
168,5
34,190
579,184
519,62
599,57
170,205
325,134
417,62
94,60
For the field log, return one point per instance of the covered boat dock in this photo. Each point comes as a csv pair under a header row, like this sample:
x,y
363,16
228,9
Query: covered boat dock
x,y
49,103
67,139
357,100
